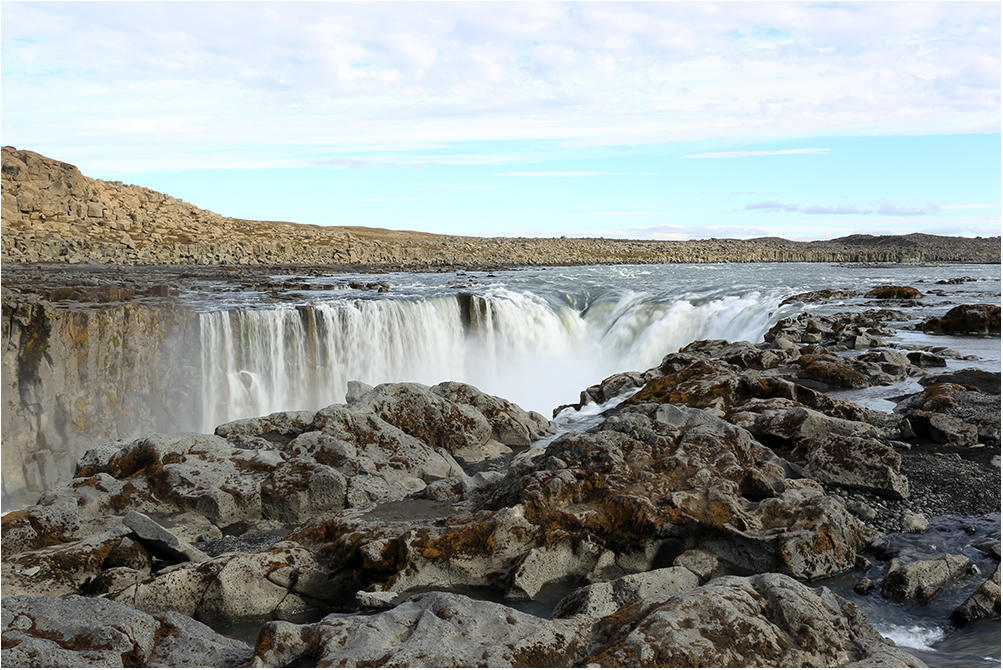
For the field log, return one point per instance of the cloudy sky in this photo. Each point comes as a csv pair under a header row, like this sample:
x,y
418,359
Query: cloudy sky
x,y
649,120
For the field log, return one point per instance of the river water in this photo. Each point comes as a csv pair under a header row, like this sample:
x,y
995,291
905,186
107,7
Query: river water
x,y
539,336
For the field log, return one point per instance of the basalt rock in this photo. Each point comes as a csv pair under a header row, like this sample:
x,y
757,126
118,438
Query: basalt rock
x,y
894,293
966,319
825,295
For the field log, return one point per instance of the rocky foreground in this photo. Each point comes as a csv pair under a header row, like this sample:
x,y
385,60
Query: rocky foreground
x,y
693,520
54,214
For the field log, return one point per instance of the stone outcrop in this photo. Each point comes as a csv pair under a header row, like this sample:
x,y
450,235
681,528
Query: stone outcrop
x,y
966,319
78,632
73,378
53,214
765,620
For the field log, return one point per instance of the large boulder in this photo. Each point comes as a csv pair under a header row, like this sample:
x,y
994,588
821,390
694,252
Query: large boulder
x,y
766,620
922,580
439,630
77,632
856,463
894,293
983,604
510,424
968,319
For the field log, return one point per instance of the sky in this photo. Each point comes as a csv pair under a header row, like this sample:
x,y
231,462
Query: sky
x,y
650,120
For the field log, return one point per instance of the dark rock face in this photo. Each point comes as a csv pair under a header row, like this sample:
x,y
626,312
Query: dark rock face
x,y
894,293
968,319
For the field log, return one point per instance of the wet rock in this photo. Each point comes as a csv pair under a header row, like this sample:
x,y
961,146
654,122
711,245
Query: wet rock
x,y
825,295
914,523
73,631
968,319
983,604
831,370
922,580
924,360
856,463
765,620
787,420
894,293
161,539
983,380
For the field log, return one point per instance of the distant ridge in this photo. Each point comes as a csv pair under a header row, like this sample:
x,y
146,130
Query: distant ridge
x,y
54,214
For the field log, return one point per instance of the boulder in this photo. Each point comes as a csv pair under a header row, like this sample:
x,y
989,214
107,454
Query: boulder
x,y
161,539
894,293
943,429
438,422
983,604
856,463
510,424
922,580
602,599
76,632
430,630
765,620
966,319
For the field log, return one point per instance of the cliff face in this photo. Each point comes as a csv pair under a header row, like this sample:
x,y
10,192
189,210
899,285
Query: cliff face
x,y
52,213
74,378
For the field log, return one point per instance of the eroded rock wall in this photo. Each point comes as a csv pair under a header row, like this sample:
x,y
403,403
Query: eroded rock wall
x,y
76,377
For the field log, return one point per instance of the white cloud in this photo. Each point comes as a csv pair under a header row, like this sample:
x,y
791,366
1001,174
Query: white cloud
x,y
888,209
971,206
100,81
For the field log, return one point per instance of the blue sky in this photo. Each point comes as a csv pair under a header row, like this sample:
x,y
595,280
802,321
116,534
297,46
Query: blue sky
x,y
648,120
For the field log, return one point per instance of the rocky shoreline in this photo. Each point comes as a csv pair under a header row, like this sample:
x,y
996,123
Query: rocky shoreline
x,y
54,214
690,527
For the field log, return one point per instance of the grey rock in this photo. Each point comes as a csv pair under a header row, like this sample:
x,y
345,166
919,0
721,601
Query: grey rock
x,y
598,600
914,523
162,539
430,630
857,463
356,390
766,620
36,630
983,604
922,580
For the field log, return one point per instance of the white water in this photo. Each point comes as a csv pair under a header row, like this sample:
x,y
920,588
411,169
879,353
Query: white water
x,y
523,348
540,337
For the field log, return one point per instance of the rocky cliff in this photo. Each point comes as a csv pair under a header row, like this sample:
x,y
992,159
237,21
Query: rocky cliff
x,y
54,214
80,375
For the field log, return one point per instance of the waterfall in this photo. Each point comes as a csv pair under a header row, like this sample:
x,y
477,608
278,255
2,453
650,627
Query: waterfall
x,y
536,352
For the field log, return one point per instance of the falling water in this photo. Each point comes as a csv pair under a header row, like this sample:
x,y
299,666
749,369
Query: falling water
x,y
513,344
